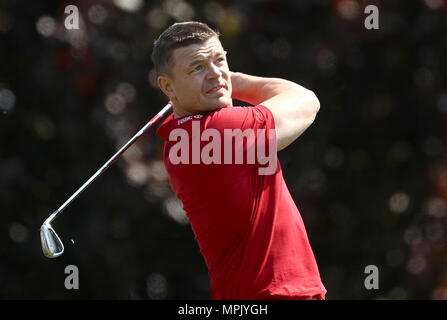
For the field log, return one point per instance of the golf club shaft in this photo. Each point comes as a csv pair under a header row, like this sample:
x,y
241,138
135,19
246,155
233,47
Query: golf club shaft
x,y
108,163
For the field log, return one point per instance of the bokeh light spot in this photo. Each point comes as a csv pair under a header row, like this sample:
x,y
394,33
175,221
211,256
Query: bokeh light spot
x,y
97,14
46,26
174,209
348,9
179,10
412,236
156,286
7,100
434,4
399,202
442,103
44,128
18,232
157,18
129,5
127,91
136,174
416,264
115,103
436,207
334,157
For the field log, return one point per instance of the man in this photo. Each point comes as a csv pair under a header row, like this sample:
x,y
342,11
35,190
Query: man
x,y
247,226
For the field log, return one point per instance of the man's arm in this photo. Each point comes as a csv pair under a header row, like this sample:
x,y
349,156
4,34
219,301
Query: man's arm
x,y
293,107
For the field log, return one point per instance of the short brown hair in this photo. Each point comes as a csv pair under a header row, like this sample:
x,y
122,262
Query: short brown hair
x,y
180,34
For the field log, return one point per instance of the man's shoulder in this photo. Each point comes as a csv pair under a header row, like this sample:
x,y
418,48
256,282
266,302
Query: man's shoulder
x,y
228,117
239,113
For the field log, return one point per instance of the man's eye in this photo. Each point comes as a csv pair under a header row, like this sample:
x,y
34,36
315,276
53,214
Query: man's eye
x,y
220,60
197,68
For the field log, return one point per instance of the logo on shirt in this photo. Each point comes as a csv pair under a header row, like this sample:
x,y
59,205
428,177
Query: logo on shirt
x,y
259,148
197,116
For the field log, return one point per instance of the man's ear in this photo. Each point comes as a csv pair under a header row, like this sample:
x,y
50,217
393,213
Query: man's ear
x,y
164,83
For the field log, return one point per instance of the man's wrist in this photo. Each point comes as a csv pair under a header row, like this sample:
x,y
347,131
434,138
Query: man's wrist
x,y
240,84
235,80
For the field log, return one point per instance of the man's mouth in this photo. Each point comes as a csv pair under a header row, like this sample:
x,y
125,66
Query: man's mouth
x,y
215,89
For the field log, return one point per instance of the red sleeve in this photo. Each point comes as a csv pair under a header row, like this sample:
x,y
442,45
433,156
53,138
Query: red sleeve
x,y
257,117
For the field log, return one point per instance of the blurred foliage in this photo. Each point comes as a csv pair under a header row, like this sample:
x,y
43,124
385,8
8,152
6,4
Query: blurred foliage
x,y
369,176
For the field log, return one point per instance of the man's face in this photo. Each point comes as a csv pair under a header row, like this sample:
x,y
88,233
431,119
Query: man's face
x,y
200,78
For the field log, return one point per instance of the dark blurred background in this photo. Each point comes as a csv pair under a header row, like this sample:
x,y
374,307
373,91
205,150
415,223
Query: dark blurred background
x,y
369,176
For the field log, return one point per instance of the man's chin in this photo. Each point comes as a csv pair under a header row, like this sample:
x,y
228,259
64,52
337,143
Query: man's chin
x,y
221,104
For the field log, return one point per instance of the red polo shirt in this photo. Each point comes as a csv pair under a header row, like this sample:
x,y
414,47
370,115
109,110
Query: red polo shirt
x,y
247,225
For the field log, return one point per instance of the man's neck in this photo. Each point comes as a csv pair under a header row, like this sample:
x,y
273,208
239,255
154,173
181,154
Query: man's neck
x,y
179,113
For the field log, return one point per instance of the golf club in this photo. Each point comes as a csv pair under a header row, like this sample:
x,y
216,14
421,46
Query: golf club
x,y
52,245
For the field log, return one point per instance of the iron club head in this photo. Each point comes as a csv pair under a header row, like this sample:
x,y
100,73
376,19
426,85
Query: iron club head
x,y
52,245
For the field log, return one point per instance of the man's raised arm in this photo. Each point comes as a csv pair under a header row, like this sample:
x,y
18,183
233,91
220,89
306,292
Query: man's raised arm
x,y
293,107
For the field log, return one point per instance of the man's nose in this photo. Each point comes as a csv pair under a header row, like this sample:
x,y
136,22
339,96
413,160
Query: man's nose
x,y
214,71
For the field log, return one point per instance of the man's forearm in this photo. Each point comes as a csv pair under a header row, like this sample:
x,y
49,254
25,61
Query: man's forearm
x,y
256,90
293,107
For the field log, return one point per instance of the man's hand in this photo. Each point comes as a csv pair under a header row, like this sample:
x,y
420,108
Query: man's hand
x,y
294,107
